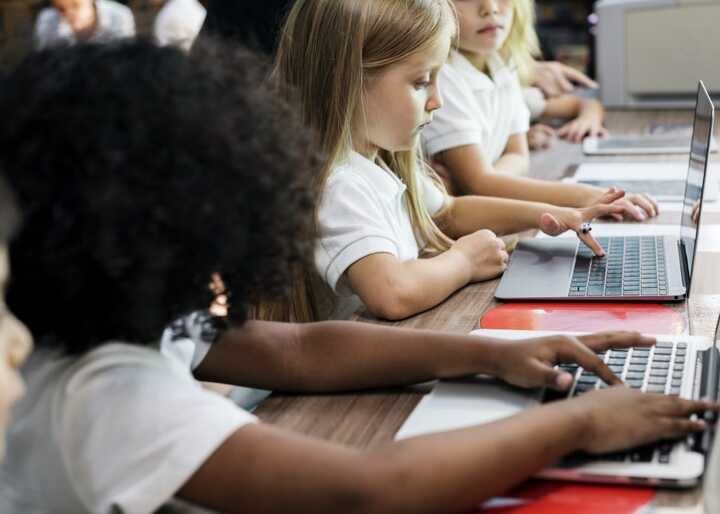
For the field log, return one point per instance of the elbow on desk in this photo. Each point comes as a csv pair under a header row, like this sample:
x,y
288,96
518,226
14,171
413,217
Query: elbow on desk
x,y
395,301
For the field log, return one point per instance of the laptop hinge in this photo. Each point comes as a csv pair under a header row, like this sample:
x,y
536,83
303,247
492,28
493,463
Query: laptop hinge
x,y
684,268
710,391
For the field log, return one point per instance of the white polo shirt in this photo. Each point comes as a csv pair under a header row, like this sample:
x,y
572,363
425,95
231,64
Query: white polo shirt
x,y
477,108
363,212
179,22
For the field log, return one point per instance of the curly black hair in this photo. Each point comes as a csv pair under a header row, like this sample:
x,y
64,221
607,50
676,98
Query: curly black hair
x,y
140,171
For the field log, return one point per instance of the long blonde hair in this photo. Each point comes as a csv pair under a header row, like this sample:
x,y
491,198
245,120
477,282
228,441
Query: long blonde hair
x,y
522,45
330,49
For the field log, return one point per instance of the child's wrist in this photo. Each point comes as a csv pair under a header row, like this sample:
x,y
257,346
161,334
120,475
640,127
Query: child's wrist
x,y
463,264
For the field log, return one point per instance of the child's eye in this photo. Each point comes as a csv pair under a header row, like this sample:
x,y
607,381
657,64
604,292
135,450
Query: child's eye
x,y
422,84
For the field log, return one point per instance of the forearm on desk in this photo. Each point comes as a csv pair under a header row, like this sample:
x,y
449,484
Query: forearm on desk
x,y
394,289
473,175
266,470
467,214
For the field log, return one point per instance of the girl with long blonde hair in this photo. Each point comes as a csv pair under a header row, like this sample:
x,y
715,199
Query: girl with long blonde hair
x,y
366,77
479,137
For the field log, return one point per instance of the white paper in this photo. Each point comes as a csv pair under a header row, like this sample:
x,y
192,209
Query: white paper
x,y
676,170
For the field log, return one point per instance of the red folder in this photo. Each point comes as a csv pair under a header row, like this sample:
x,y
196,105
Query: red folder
x,y
542,497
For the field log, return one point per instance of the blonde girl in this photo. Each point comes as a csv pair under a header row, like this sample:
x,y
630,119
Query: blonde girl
x,y
479,136
366,75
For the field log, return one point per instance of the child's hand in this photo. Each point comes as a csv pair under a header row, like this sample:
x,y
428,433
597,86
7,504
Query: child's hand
x,y
484,253
561,219
540,136
636,207
576,130
529,362
618,418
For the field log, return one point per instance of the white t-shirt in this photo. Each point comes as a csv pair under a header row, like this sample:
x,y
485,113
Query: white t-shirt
x,y
117,430
477,108
363,212
114,21
179,22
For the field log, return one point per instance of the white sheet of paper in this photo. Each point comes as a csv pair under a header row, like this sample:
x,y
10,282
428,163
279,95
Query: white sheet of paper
x,y
675,170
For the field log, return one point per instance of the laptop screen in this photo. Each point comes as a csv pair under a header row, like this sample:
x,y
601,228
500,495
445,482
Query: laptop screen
x,y
699,150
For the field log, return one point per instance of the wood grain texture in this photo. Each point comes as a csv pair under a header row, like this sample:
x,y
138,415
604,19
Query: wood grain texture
x,y
371,419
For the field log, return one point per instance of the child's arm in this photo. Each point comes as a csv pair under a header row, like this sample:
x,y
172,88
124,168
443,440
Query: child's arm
x,y
474,174
341,356
466,214
267,470
394,289
516,157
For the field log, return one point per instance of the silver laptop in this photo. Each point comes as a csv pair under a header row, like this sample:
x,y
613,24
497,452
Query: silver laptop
x,y
634,268
678,365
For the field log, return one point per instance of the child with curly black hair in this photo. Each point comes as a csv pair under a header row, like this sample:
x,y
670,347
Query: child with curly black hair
x,y
158,186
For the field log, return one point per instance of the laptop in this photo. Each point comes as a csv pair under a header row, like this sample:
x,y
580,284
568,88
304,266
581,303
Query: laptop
x,y
639,145
678,365
634,268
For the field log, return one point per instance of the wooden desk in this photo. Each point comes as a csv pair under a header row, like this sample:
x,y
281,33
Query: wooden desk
x,y
371,419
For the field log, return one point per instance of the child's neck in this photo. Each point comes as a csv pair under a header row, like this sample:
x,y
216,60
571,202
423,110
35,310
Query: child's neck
x,y
367,150
479,60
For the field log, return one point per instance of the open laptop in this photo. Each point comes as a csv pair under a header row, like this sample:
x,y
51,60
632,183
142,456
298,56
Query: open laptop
x,y
679,365
635,268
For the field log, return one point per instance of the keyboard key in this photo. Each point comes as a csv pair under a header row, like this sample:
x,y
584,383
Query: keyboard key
x,y
633,375
656,388
663,351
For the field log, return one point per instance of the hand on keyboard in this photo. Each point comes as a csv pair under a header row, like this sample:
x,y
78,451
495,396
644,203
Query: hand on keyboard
x,y
558,220
617,418
530,362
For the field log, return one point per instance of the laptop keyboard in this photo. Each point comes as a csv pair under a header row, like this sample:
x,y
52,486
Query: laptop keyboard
x,y
632,266
655,370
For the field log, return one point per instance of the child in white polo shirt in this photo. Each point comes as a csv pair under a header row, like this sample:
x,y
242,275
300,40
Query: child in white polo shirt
x,y
368,94
479,135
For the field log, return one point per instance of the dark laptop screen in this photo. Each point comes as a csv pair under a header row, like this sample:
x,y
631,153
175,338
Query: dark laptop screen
x,y
699,151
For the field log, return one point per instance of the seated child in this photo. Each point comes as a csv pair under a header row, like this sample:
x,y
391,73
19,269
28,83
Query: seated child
x,y
389,234
15,341
165,224
479,135
70,21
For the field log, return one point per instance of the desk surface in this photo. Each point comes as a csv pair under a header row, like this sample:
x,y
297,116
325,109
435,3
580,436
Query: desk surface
x,y
371,419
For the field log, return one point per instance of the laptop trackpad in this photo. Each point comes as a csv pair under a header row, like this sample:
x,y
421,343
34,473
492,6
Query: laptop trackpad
x,y
539,268
459,404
